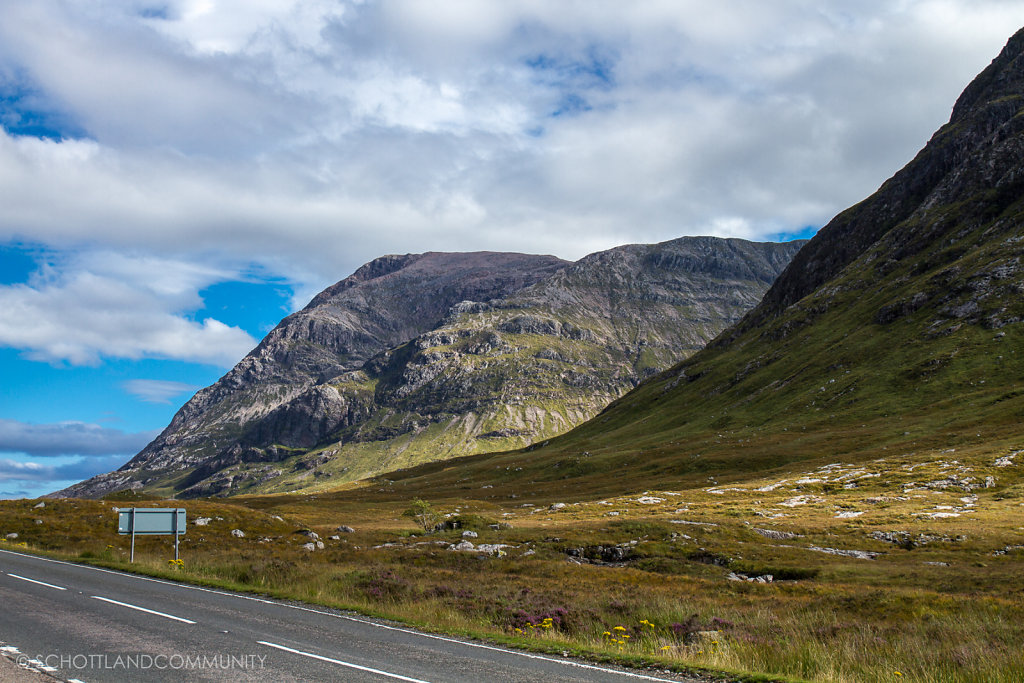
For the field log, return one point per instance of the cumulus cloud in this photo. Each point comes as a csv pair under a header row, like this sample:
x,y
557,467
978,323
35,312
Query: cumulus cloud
x,y
69,438
105,304
311,136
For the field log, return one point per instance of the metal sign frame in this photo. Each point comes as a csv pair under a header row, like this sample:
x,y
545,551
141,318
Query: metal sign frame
x,y
151,522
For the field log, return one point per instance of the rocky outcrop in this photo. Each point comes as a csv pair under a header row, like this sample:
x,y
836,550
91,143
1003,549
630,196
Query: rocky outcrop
x,y
428,356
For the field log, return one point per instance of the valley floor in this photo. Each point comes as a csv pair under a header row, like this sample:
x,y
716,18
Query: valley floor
x,y
900,568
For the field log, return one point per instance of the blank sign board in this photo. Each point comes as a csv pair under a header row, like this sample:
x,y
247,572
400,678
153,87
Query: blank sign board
x,y
151,521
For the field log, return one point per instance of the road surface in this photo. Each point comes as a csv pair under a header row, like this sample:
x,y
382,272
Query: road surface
x,y
82,623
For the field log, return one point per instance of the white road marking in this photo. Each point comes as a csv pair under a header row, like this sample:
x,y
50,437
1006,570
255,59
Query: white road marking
x,y
421,634
143,609
41,583
38,664
341,663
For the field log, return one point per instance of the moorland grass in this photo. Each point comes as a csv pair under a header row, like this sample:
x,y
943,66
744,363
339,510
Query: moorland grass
x,y
940,601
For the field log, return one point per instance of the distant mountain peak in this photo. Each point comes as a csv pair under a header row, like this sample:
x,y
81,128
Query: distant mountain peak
x,y
424,356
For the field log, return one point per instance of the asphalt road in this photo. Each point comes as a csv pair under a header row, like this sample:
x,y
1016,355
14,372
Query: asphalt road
x,y
90,624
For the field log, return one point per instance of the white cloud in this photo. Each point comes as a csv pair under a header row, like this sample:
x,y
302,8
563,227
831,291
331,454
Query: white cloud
x,y
312,136
69,439
156,390
103,304
32,479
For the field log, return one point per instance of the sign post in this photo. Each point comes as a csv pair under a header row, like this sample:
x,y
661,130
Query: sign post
x,y
151,522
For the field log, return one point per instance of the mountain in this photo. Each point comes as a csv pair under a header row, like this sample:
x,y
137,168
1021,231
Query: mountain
x,y
424,357
894,331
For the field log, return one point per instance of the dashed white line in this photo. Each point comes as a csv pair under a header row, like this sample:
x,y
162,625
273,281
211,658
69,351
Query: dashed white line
x,y
143,609
312,655
41,583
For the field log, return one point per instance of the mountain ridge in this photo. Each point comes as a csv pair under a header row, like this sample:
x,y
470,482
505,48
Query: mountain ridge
x,y
428,364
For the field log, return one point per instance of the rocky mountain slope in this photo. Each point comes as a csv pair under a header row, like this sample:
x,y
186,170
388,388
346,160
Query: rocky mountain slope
x,y
423,357
896,330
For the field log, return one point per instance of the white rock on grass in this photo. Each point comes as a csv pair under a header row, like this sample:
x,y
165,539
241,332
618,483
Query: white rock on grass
x,y
775,534
493,548
848,514
469,534
766,578
238,533
1007,460
801,500
202,521
858,554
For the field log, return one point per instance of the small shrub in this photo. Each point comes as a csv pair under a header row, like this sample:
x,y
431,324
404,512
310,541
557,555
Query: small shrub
x,y
424,514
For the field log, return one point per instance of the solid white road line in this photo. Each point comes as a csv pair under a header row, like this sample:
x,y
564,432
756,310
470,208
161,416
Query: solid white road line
x,y
41,583
143,609
341,663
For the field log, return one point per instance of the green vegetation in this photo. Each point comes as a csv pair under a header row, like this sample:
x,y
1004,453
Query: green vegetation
x,y
940,600
424,514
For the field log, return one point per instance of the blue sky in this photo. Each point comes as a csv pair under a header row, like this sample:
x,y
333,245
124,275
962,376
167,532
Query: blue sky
x,y
175,177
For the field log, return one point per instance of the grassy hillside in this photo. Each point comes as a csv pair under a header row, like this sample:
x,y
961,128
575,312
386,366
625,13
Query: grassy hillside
x,y
907,564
